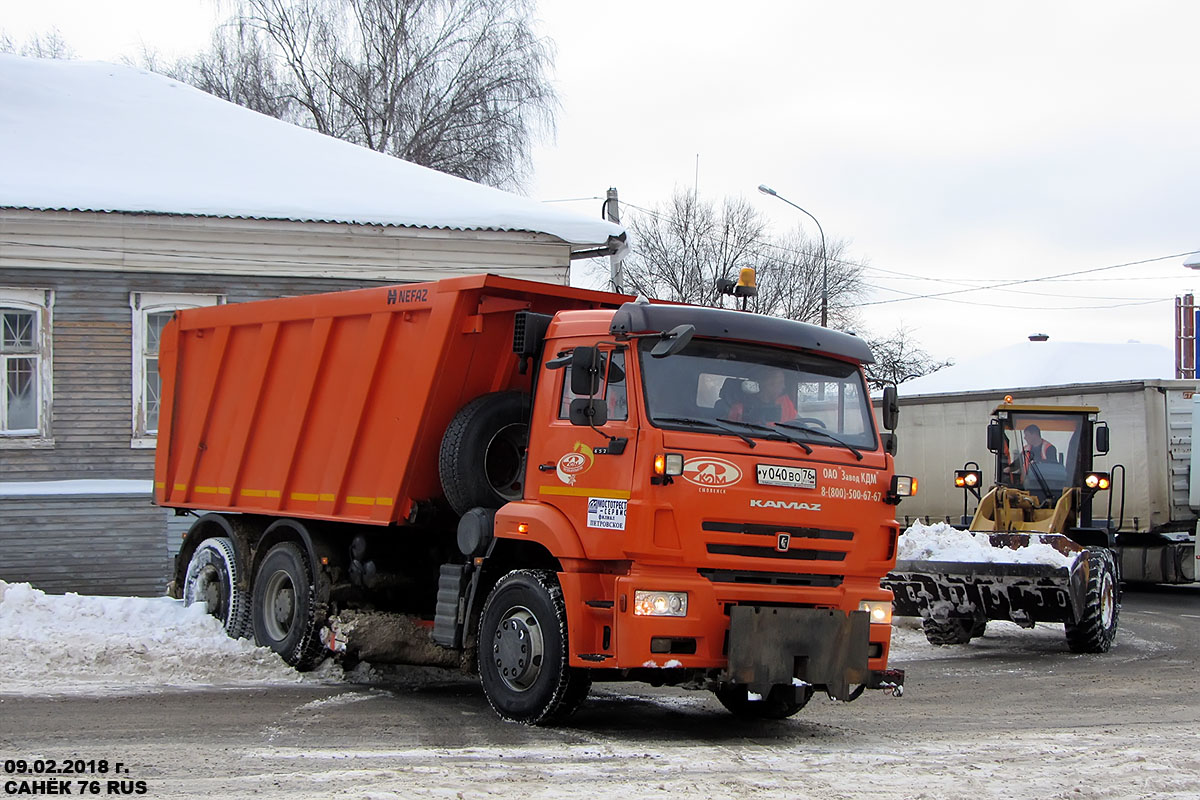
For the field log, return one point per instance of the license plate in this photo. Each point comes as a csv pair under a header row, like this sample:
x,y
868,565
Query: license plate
x,y
777,475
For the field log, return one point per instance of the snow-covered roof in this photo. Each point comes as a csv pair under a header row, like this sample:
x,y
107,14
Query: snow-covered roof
x,y
1192,261
1027,365
90,136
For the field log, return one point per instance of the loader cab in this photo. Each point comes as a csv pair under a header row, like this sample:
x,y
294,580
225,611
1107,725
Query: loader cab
x,y
1044,449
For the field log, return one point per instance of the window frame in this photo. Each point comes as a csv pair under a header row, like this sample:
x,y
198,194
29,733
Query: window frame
x,y
142,305
41,303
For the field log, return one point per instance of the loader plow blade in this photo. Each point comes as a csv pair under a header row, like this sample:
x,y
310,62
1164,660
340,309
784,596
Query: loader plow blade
x,y
1050,589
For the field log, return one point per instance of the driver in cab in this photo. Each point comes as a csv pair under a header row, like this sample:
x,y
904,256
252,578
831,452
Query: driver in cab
x,y
770,404
1037,450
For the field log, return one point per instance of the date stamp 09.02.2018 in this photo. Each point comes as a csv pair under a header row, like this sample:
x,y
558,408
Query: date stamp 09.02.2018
x,y
30,777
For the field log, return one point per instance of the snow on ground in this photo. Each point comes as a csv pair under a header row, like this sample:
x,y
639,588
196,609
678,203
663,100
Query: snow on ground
x,y
80,643
940,542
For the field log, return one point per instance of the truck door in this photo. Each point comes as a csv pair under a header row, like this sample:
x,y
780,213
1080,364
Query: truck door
x,y
585,474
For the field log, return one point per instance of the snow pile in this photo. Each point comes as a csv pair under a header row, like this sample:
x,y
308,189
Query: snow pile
x,y
940,542
75,642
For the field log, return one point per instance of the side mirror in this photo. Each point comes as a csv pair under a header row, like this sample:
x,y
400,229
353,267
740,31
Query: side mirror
x,y
587,365
673,341
889,443
588,411
890,410
1101,438
995,437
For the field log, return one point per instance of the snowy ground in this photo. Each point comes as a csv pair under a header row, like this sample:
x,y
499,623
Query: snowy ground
x,y
85,644
1012,715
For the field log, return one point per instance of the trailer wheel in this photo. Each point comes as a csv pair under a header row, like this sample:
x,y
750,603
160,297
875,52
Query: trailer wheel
x,y
213,577
482,457
285,609
1095,630
523,655
781,703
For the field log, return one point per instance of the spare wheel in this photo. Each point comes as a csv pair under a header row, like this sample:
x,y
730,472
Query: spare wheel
x,y
482,458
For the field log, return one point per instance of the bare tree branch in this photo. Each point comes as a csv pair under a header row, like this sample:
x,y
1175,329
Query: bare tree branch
x,y
899,358
457,85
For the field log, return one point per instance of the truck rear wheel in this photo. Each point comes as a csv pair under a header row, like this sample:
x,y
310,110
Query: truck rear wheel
x,y
1095,630
482,457
213,577
285,608
523,655
781,703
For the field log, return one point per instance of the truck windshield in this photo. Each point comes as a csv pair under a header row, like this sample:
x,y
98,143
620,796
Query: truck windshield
x,y
815,399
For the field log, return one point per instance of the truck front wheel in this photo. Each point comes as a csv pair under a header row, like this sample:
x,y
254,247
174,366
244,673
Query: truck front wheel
x,y
285,608
523,655
1095,630
213,577
781,703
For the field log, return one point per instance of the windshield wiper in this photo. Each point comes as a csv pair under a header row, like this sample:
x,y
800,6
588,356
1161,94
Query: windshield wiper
x,y
768,429
711,423
819,432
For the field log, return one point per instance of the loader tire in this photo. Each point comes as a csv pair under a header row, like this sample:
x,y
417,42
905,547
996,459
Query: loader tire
x,y
287,615
523,653
482,458
953,631
779,704
1095,630
214,577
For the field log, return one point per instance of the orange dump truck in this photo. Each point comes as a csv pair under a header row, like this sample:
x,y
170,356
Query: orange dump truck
x,y
550,485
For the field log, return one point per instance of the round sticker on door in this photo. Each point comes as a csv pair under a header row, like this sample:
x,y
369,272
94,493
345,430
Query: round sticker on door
x,y
712,473
574,463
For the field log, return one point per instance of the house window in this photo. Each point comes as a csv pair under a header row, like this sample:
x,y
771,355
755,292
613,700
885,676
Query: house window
x,y
25,367
151,313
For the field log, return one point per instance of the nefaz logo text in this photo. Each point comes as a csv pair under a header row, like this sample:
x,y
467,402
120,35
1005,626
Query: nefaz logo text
x,y
395,296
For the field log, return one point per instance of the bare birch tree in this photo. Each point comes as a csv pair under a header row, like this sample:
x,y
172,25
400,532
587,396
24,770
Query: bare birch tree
x,y
461,86
898,358
682,248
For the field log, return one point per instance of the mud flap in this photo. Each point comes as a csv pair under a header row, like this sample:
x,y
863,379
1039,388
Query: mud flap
x,y
771,646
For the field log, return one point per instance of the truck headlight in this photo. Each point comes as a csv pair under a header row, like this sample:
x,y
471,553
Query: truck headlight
x,y
1096,480
659,604
880,611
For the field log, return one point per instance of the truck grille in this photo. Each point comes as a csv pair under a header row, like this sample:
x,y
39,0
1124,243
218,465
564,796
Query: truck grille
x,y
751,551
771,530
770,578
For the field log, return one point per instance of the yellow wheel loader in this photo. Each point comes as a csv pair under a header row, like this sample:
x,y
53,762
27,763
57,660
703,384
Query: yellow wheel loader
x,y
1032,552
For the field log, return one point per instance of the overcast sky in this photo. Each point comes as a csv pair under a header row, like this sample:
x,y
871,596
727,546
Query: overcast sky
x,y
953,144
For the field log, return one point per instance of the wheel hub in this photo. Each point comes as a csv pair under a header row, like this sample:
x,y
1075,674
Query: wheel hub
x,y
281,605
1108,604
518,650
208,590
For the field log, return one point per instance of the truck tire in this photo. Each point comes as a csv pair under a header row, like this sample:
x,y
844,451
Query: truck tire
x,y
213,577
1095,630
482,457
286,614
523,656
776,705
957,630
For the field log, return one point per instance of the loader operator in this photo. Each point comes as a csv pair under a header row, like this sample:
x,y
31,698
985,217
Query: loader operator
x,y
1037,449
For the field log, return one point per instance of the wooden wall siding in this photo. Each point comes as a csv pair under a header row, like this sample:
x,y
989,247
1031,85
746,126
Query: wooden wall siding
x,y
213,246
91,544
92,410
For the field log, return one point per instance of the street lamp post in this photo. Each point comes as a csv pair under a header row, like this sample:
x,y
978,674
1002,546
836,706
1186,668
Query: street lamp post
x,y
824,256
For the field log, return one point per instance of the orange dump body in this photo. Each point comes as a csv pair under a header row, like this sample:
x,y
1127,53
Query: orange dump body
x,y
333,406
